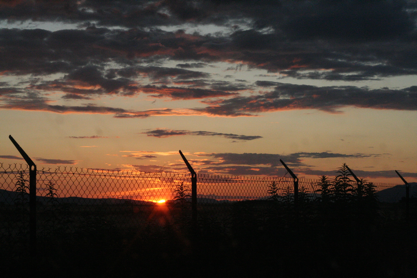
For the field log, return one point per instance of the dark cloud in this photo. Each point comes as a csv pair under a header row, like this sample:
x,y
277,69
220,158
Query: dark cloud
x,y
75,96
333,155
363,72
273,160
146,157
124,13
152,168
192,83
360,173
266,83
42,52
91,76
88,80
141,156
270,165
241,170
158,73
11,157
122,52
183,93
228,86
246,170
329,99
349,20
34,102
154,112
56,161
320,19
256,159
163,133
191,65
103,170
88,137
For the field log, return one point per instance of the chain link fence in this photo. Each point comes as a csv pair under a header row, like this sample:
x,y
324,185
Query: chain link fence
x,y
116,224
73,201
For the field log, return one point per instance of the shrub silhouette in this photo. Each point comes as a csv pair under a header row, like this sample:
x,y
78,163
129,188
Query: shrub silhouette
x,y
181,195
343,201
341,187
325,189
273,191
51,190
22,189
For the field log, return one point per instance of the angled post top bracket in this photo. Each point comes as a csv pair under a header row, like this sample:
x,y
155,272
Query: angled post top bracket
x,y
193,173
289,170
353,175
22,152
406,183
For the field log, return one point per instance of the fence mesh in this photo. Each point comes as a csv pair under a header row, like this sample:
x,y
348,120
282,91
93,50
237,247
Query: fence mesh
x,y
73,200
110,224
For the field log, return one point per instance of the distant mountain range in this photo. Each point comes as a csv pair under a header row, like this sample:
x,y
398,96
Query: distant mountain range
x,y
9,197
396,193
389,195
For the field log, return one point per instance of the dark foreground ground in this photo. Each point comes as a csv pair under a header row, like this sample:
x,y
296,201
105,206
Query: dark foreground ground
x,y
245,242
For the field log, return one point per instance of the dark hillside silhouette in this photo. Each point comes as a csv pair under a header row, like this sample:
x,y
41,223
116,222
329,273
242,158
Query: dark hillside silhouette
x,y
396,193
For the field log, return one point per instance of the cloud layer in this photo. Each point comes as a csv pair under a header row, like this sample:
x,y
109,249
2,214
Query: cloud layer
x,y
163,133
123,49
329,99
270,165
43,160
88,137
133,60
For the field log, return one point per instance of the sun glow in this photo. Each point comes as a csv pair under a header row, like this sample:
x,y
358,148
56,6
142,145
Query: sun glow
x,y
161,202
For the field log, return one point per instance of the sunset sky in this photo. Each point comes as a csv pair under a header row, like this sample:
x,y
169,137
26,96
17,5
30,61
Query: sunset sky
x,y
236,85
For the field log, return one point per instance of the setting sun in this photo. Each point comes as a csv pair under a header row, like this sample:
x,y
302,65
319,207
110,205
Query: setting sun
x,y
162,201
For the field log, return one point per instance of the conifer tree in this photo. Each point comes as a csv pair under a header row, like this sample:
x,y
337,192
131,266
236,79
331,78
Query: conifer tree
x,y
181,194
51,190
342,188
325,189
22,188
273,191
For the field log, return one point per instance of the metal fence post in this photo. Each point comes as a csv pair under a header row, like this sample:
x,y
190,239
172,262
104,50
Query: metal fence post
x,y
295,185
407,197
358,182
193,191
32,197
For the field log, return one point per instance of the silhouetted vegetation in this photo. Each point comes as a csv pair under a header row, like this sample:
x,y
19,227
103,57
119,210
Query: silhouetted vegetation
x,y
273,191
51,190
23,189
345,202
181,195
